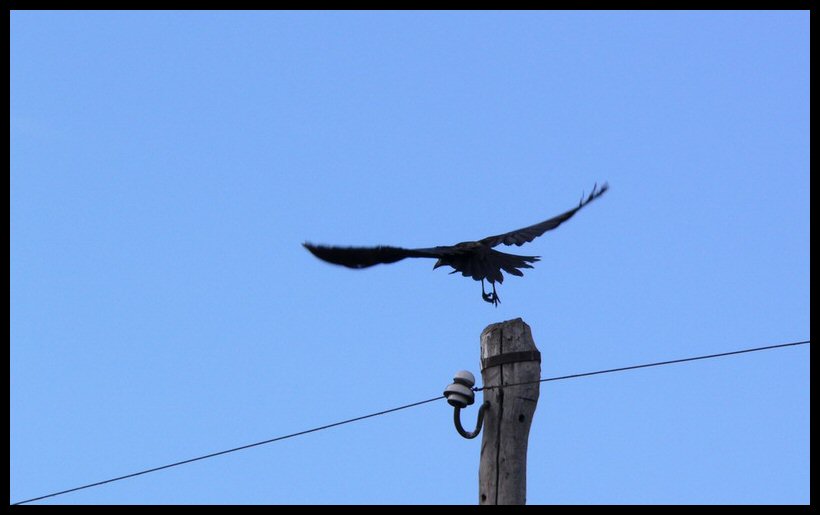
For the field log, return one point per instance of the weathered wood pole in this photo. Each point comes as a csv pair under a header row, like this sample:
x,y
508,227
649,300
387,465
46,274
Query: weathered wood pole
x,y
508,357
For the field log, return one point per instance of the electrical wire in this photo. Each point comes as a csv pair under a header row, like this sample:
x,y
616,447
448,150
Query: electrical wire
x,y
406,406
213,454
646,365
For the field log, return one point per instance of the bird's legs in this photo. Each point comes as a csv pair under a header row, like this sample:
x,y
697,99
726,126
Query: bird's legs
x,y
492,298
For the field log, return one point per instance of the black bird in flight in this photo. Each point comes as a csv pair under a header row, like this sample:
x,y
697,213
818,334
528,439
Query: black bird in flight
x,y
475,259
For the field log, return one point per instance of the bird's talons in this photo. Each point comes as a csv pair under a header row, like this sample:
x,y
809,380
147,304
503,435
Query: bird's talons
x,y
492,298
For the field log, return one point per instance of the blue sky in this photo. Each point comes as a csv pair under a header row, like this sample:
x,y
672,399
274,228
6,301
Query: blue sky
x,y
166,167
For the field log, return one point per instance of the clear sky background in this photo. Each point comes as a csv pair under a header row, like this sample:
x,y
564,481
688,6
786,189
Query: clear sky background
x,y
167,166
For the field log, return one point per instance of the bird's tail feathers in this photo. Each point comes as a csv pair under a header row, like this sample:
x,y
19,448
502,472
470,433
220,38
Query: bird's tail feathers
x,y
510,263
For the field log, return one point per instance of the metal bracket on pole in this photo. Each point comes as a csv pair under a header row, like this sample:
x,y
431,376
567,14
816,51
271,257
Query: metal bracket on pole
x,y
460,395
470,434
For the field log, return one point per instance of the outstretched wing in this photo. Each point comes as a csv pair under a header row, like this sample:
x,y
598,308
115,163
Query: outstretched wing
x,y
363,257
527,234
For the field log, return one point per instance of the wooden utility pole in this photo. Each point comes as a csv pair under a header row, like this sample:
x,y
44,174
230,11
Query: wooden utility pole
x,y
508,357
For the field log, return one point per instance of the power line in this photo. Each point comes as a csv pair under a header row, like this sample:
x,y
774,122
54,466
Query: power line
x,y
406,406
213,454
647,365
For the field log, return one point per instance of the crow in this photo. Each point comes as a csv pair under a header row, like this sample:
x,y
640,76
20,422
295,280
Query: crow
x,y
475,259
